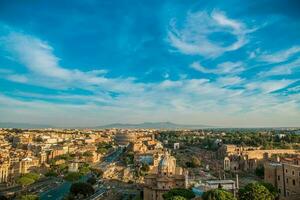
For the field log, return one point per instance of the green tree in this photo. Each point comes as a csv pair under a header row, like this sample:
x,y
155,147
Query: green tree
x,y
145,167
29,197
88,154
25,181
186,193
92,180
51,173
84,170
84,189
103,147
28,179
129,158
33,176
96,171
2,197
73,176
178,198
195,161
218,194
273,190
255,191
260,171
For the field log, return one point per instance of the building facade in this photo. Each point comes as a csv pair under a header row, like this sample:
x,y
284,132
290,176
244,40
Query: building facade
x,y
4,171
239,158
167,176
285,176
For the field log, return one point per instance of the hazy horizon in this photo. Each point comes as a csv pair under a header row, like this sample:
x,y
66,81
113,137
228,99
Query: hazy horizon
x,y
133,125
92,63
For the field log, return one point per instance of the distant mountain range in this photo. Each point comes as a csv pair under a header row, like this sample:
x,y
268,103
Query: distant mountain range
x,y
170,125
23,125
155,125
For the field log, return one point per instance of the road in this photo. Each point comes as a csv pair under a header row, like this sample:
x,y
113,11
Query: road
x,y
98,194
41,184
59,191
62,189
112,157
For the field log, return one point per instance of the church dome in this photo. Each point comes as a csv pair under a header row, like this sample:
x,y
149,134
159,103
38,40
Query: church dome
x,y
167,164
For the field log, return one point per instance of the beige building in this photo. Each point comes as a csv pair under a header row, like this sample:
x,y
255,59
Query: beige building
x,y
43,157
285,176
27,163
139,147
167,176
4,171
55,153
93,158
73,166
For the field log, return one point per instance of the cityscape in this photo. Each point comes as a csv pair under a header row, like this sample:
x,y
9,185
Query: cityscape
x,y
150,163
149,100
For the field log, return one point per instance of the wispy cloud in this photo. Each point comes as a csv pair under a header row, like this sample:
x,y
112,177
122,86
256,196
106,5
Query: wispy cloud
x,y
280,56
270,85
282,69
44,68
193,99
19,78
222,68
193,37
230,80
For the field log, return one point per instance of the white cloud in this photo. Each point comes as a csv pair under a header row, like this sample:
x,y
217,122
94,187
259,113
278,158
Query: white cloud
x,y
17,78
282,69
270,85
229,80
44,69
36,55
280,56
185,100
230,68
198,67
294,89
193,37
169,84
222,68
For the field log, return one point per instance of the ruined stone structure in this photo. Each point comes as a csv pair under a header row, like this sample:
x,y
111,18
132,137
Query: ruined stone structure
x,y
236,158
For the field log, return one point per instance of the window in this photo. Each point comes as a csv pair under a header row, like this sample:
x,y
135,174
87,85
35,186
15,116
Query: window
x,y
293,172
278,178
287,180
286,171
294,182
279,190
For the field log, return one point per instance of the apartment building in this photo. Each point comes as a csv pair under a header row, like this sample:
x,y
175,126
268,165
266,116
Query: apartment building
x,y
285,176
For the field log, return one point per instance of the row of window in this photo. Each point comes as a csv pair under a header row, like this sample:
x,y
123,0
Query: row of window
x,y
293,172
287,180
287,192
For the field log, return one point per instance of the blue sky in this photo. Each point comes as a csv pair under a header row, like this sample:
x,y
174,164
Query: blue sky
x,y
86,63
